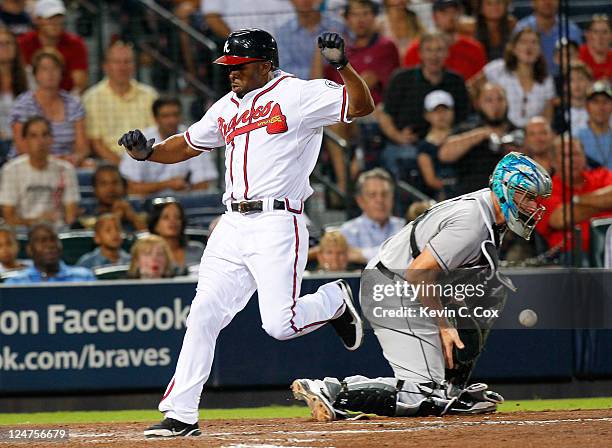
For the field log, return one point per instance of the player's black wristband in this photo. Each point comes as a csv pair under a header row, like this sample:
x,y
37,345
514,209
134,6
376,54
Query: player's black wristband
x,y
147,157
340,64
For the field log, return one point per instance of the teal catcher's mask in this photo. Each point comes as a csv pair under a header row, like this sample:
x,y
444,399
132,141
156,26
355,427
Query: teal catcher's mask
x,y
520,183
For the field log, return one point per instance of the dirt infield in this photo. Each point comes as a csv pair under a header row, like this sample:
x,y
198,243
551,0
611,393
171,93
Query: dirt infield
x,y
521,429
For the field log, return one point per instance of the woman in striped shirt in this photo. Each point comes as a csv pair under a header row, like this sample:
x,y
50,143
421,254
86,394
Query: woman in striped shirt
x,y
13,82
63,110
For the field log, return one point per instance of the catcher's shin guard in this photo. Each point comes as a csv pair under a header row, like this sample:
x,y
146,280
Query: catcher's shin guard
x,y
369,398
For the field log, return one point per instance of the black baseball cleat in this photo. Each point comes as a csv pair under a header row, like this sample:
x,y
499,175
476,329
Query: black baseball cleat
x,y
170,427
348,325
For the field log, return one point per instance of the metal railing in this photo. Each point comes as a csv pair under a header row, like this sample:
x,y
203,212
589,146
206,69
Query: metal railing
x,y
413,192
345,196
196,36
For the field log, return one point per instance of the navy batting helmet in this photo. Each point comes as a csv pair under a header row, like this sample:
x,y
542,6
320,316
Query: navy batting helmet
x,y
249,45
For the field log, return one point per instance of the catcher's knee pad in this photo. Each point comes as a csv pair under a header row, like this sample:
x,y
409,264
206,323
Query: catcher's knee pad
x,y
371,398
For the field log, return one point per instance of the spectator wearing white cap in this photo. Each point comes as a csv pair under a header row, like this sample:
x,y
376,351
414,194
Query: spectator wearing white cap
x,y
49,18
596,135
438,177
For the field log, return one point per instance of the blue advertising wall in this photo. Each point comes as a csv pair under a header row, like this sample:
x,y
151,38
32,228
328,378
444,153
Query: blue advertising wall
x,y
126,336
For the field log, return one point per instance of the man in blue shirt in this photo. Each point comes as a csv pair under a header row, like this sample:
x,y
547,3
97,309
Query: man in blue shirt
x,y
367,232
596,136
295,37
544,20
45,249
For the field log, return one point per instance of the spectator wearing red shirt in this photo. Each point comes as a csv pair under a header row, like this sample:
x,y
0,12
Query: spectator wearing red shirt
x,y
373,56
592,195
49,17
466,56
596,52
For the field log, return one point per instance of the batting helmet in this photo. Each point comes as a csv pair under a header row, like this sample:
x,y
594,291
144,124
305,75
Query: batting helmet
x,y
249,45
519,184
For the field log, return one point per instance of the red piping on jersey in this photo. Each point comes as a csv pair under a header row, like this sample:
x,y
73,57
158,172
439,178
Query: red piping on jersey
x,y
203,148
297,247
342,112
320,322
244,167
246,145
232,169
292,210
169,390
232,156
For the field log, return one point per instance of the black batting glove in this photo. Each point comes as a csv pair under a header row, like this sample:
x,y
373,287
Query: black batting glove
x,y
137,145
332,49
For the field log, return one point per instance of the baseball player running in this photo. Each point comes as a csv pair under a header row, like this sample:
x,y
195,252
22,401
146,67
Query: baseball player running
x,y
461,237
271,124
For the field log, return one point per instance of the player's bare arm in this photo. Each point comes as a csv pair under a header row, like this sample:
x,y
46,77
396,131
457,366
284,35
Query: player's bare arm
x,y
360,99
172,150
424,269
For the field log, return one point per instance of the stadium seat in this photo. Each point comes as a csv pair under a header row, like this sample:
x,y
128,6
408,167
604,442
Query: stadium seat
x,y
199,199
22,239
137,203
76,243
197,234
599,227
128,241
88,204
86,191
202,216
116,272
197,244
8,274
85,177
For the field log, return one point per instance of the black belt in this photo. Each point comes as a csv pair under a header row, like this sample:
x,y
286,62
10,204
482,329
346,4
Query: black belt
x,y
246,207
384,270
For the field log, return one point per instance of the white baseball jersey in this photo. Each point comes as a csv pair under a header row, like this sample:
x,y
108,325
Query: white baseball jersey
x,y
272,136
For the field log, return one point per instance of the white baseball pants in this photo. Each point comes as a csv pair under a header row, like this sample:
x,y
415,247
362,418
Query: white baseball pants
x,y
266,251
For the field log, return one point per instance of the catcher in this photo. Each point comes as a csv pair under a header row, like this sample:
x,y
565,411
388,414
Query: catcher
x,y
430,337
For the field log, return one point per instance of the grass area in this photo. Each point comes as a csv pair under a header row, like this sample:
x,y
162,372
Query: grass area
x,y
267,412
149,415
551,405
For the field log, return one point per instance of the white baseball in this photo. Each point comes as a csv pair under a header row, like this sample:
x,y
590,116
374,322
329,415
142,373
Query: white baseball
x,y
528,318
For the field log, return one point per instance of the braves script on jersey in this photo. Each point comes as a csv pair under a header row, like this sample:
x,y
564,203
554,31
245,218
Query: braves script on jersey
x,y
272,135
272,138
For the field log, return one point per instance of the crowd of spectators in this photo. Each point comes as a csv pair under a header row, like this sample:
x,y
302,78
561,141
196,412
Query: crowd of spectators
x,y
457,85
